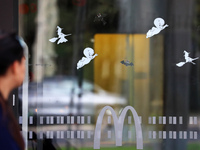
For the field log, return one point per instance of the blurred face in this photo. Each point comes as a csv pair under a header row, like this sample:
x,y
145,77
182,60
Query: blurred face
x,y
19,74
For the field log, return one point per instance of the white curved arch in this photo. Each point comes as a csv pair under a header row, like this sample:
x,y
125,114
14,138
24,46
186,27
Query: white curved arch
x,y
138,128
97,134
118,125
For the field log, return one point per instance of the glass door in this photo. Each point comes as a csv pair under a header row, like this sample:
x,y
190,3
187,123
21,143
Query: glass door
x,y
111,74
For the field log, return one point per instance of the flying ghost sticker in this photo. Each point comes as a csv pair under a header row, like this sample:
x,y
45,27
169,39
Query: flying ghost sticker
x,y
159,23
187,59
126,63
89,55
61,36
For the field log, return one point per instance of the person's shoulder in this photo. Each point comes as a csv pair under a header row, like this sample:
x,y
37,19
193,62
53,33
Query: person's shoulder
x,y
1,115
6,140
1,111
3,119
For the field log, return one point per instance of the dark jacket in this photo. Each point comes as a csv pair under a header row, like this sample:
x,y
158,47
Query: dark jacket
x,y
6,140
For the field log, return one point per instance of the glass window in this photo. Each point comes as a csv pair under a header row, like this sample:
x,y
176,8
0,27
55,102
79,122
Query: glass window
x,y
112,74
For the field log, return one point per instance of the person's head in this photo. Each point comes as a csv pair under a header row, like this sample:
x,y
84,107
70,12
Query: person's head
x,y
12,69
12,60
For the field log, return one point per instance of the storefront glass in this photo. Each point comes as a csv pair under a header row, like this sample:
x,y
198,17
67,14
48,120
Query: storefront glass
x,y
136,59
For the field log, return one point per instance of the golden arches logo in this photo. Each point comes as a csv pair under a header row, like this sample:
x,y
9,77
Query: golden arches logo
x,y
118,126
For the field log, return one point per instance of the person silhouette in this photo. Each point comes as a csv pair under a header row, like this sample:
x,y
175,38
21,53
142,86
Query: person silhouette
x,y
13,55
159,23
88,52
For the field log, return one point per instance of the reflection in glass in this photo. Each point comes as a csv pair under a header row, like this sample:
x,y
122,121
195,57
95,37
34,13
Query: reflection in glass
x,y
65,101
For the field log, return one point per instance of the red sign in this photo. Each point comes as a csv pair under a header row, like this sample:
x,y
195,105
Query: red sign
x,y
33,7
79,2
25,8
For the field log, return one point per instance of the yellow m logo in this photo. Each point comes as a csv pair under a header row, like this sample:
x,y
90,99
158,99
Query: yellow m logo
x,y
118,125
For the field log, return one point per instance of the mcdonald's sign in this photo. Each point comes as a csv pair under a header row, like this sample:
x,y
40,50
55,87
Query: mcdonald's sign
x,y
118,126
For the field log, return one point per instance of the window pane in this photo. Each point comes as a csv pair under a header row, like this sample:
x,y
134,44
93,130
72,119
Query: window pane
x,y
112,73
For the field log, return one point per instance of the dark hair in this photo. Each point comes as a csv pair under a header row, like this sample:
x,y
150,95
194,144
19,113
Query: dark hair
x,y
10,51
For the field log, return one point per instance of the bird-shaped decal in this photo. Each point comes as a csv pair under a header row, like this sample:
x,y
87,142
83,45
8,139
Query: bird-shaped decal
x,y
127,63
